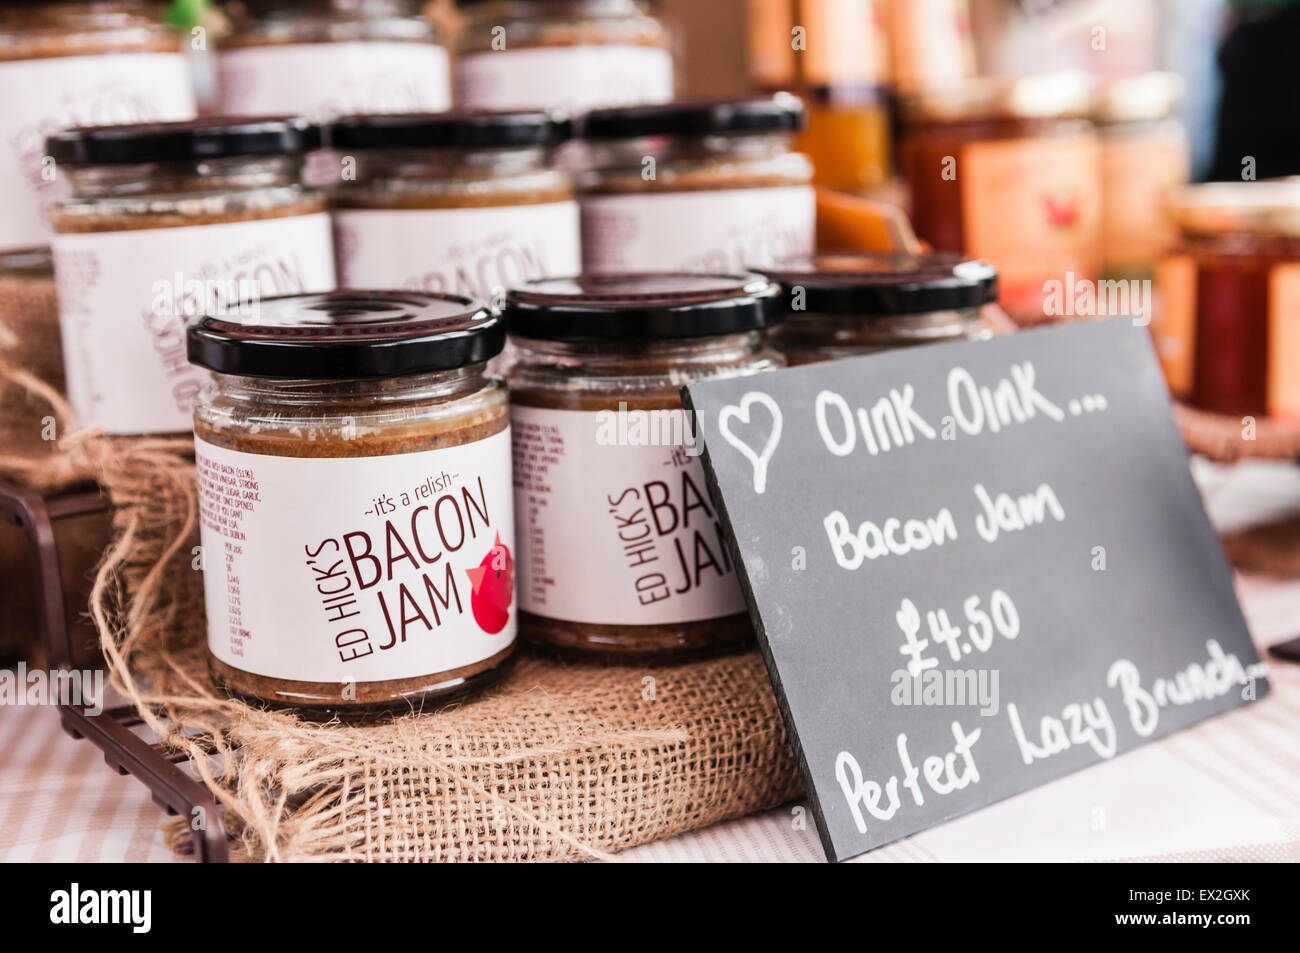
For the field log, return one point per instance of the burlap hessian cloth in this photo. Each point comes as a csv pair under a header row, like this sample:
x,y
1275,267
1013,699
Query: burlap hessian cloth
x,y
35,419
558,762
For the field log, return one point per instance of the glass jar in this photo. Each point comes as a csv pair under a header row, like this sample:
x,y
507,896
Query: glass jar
x,y
75,64
570,55
462,202
166,222
843,75
704,185
1009,171
355,500
1145,157
327,58
1225,325
623,555
840,305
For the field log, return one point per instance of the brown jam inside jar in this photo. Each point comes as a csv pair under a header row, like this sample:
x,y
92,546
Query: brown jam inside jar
x,y
1225,327
461,202
708,185
622,555
354,483
841,305
166,222
1009,171
75,64
570,55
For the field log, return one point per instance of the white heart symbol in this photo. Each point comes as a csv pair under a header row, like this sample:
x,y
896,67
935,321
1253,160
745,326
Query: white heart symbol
x,y
758,460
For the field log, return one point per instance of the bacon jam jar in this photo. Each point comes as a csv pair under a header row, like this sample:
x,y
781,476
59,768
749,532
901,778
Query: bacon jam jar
x,y
464,202
571,55
327,58
696,185
623,556
1145,157
1009,171
840,305
1227,321
355,499
75,64
165,222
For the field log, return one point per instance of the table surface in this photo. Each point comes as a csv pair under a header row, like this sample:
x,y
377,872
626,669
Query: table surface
x,y
1227,789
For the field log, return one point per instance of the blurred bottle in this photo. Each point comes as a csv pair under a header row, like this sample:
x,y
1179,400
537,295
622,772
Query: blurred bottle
x,y
834,53
930,44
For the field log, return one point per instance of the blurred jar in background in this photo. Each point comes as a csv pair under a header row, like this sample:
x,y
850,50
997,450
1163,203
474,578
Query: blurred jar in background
x,y
1144,157
571,55
695,185
1009,170
324,58
930,44
74,64
835,54
841,305
1227,326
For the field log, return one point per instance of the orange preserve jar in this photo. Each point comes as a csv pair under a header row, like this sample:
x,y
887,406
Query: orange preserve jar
x,y
1227,324
1145,156
1009,171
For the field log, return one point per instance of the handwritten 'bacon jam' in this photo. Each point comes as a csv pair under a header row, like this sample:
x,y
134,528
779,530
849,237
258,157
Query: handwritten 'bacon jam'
x,y
356,505
622,555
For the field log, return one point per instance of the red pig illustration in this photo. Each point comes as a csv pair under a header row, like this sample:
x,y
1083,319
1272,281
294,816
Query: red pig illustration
x,y
493,582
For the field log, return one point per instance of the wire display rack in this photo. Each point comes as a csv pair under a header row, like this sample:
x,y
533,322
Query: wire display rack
x,y
118,731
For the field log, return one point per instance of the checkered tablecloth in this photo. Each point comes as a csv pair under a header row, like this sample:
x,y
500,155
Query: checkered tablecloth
x,y
1227,789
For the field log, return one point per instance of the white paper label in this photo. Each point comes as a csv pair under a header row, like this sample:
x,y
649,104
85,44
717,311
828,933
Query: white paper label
x,y
40,97
322,81
721,231
616,530
358,568
124,298
473,252
572,78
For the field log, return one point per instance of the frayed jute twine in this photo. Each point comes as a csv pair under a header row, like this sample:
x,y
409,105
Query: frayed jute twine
x,y
558,762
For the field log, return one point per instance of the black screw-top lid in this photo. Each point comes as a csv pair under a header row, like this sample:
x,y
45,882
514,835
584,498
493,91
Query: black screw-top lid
x,y
778,113
348,334
641,307
877,285
482,129
216,137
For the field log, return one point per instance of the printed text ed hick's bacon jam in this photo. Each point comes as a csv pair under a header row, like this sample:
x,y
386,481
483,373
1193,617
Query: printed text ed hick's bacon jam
x,y
354,483
622,554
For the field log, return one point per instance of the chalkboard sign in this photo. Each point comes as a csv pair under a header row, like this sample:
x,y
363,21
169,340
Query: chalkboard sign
x,y
973,568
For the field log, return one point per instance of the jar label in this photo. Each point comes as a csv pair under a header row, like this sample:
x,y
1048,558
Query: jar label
x,y
722,231
358,569
1032,207
323,81
616,523
468,251
1173,325
1138,173
45,95
572,78
124,298
1284,341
